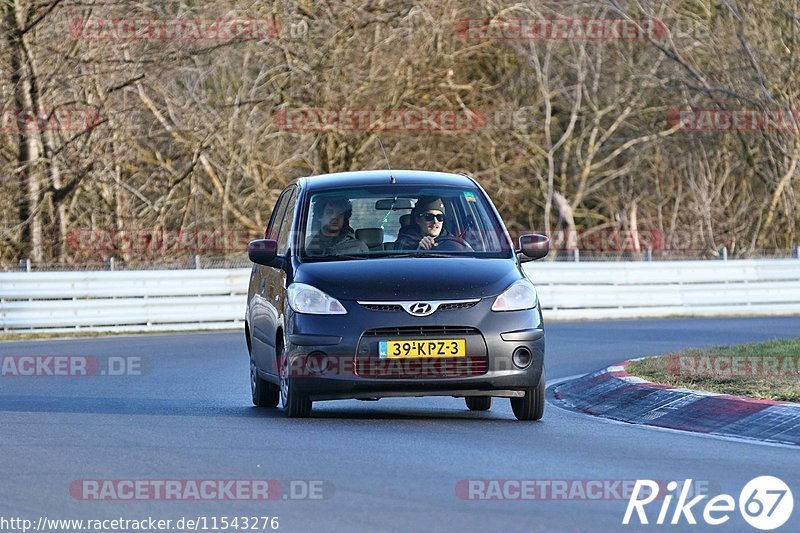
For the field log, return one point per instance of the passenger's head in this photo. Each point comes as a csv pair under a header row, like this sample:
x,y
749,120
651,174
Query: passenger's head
x,y
428,214
336,213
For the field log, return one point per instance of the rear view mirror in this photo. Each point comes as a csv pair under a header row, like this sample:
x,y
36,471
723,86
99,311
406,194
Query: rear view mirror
x,y
392,204
534,245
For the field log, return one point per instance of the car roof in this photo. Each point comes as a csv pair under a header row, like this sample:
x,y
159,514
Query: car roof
x,y
376,177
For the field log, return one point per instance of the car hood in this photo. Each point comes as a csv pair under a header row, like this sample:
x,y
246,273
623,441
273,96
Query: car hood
x,y
410,278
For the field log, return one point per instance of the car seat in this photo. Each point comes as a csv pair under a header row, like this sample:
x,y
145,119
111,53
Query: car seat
x,y
405,220
372,237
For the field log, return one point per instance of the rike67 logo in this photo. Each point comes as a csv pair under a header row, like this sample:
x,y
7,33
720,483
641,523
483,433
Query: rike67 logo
x,y
765,503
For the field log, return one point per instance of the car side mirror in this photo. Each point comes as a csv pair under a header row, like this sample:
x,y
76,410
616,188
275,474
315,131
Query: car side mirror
x,y
263,252
534,245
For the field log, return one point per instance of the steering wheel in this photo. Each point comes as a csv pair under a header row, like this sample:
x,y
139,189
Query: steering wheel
x,y
451,243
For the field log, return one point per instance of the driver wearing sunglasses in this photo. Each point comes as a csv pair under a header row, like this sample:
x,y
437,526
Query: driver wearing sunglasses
x,y
426,229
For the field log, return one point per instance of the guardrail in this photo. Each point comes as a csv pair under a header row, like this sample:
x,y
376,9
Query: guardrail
x,y
215,298
688,288
156,300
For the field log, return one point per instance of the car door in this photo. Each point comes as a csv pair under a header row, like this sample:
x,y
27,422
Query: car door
x,y
275,286
263,315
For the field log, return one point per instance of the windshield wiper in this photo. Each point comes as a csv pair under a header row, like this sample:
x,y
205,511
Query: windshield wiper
x,y
415,253
344,256
333,257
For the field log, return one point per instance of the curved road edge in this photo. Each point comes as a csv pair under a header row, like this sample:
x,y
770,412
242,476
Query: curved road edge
x,y
615,394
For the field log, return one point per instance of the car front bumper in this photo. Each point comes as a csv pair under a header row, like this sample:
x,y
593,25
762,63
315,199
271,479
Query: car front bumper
x,y
328,354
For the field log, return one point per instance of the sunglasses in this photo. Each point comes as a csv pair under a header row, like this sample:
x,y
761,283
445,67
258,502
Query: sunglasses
x,y
430,217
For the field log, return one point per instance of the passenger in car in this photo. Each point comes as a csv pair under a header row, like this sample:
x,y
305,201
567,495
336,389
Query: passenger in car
x,y
335,236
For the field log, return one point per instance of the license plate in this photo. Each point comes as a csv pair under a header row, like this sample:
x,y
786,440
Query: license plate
x,y
422,348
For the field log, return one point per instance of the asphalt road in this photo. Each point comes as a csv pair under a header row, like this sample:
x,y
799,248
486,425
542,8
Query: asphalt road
x,y
391,465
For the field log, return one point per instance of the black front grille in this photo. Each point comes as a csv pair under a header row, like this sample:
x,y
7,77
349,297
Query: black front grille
x,y
460,305
421,368
382,307
396,307
418,331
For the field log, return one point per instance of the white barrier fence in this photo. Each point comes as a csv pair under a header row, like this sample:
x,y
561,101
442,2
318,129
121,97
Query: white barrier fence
x,y
215,298
668,288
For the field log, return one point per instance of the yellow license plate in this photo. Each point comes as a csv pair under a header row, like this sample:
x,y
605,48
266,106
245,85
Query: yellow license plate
x,y
422,348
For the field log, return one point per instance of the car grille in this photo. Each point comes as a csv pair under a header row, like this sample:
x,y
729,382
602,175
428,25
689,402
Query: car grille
x,y
419,331
396,307
460,305
444,367
382,307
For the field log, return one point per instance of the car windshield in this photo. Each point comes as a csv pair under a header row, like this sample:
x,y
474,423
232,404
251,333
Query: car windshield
x,y
401,221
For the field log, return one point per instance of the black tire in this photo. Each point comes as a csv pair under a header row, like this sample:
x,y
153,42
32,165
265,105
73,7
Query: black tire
x,y
264,393
295,404
531,406
478,403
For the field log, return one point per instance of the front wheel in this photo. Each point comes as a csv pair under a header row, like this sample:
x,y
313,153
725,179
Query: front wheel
x,y
531,406
295,404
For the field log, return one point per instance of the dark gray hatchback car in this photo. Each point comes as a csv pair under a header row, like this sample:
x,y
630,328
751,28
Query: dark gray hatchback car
x,y
393,283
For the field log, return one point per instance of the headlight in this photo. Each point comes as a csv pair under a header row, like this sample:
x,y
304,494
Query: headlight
x,y
520,295
312,301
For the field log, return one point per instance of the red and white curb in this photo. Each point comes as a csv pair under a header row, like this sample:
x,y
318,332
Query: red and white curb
x,y
614,393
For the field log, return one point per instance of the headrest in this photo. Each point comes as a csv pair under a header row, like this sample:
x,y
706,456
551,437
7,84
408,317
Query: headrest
x,y
405,220
372,237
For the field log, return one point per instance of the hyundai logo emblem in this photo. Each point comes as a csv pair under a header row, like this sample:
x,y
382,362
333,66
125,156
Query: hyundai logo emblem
x,y
420,309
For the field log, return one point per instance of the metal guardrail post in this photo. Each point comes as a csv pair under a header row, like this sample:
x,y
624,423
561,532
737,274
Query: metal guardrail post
x,y
576,255
723,253
648,255
25,265
197,262
796,252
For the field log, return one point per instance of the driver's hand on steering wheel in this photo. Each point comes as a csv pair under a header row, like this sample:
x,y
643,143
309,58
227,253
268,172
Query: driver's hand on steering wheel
x,y
426,243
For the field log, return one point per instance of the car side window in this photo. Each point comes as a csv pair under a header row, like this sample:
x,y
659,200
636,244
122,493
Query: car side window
x,y
277,215
285,233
